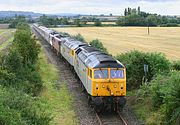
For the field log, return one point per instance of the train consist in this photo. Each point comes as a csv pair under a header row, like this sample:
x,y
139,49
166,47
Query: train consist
x,y
103,78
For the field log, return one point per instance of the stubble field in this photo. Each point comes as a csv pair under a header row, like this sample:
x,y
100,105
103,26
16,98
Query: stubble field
x,y
123,39
6,37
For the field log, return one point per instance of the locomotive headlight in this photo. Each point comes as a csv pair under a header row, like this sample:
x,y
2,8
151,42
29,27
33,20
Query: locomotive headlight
x,y
121,86
103,86
115,86
96,85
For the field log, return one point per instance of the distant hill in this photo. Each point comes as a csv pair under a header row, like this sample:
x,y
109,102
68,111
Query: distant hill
x,y
14,13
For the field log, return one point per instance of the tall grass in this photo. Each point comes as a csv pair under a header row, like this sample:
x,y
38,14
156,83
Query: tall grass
x,y
57,94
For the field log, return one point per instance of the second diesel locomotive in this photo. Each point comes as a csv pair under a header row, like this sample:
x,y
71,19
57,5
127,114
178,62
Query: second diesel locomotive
x,y
103,77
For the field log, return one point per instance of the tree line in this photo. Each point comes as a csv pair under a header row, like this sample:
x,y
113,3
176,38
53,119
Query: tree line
x,y
132,17
136,17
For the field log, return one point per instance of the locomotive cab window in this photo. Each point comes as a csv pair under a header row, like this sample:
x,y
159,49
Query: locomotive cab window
x,y
117,73
101,74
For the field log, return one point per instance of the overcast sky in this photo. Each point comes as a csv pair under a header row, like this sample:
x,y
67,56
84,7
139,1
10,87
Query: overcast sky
x,y
116,7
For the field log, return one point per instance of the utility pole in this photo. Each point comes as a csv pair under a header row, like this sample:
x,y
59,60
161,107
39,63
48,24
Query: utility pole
x,y
148,30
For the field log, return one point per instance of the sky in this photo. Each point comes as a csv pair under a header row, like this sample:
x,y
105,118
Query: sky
x,y
116,7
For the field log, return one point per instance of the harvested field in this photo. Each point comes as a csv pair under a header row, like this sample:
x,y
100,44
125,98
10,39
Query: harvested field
x,y
4,26
6,37
123,39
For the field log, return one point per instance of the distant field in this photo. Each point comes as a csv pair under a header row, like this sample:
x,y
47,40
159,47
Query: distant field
x,y
123,39
6,37
4,26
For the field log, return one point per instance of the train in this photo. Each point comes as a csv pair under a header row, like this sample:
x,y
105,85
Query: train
x,y
102,77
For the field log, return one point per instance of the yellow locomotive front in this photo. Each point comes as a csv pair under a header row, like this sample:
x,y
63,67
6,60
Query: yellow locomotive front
x,y
109,82
108,88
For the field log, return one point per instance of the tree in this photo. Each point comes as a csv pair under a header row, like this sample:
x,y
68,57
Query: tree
x,y
44,20
77,22
97,44
133,11
64,21
84,20
125,12
134,20
79,37
17,20
151,20
121,21
139,10
97,22
25,44
129,11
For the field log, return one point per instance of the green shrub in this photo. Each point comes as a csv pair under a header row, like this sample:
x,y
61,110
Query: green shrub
x,y
176,65
135,61
166,96
9,116
19,75
7,78
169,25
13,62
18,108
79,37
97,44
97,22
157,63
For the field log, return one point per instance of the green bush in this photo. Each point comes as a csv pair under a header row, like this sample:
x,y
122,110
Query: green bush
x,y
166,96
79,37
97,44
13,62
19,75
135,61
26,45
169,25
97,23
20,109
157,63
176,65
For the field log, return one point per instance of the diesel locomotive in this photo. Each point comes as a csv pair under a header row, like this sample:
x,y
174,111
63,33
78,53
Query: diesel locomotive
x,y
102,77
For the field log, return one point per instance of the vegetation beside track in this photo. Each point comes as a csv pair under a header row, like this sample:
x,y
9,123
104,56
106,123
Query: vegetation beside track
x,y
21,84
56,93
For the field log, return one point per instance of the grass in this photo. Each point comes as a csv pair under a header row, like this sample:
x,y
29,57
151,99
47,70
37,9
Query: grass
x,y
7,43
123,39
142,107
60,100
1,31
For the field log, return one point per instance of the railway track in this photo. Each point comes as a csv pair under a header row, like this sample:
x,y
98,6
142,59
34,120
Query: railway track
x,y
85,113
111,119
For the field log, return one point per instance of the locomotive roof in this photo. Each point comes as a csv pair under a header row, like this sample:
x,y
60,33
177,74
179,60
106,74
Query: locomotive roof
x,y
71,43
94,58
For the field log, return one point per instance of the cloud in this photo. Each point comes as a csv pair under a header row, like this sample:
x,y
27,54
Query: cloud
x,y
165,7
